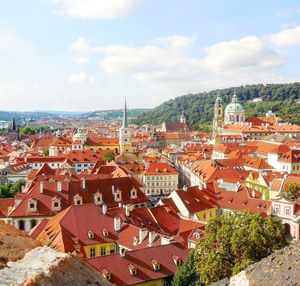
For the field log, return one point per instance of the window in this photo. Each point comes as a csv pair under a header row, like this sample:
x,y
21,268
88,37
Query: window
x,y
103,251
21,224
92,252
287,211
31,205
56,205
112,251
277,209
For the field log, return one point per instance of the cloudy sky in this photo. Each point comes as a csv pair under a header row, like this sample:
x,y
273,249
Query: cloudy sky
x,y
82,55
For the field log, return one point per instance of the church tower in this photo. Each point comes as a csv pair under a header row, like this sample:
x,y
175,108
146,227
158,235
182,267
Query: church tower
x,y
182,118
218,117
125,134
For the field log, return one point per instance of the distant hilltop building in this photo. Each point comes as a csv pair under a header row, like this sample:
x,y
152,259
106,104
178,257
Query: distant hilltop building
x,y
234,122
234,112
177,126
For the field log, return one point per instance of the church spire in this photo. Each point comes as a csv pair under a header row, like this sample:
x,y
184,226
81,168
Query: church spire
x,y
125,119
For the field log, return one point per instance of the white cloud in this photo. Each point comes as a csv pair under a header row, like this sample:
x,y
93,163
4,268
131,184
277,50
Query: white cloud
x,y
167,64
246,53
175,63
285,38
81,78
95,9
6,40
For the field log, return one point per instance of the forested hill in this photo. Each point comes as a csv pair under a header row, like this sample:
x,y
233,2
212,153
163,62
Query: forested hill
x,y
283,99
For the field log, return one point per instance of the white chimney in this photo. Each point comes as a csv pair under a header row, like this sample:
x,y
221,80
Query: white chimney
x,y
264,196
120,204
41,187
253,193
113,189
117,223
59,186
151,237
104,209
122,252
83,183
185,188
142,234
200,186
127,210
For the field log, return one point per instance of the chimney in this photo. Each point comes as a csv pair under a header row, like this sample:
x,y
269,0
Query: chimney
x,y
113,189
142,234
120,204
59,186
127,210
83,183
122,252
185,188
104,209
200,186
117,223
264,196
41,187
151,237
253,193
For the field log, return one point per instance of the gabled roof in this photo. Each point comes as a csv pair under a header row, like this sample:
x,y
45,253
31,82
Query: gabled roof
x,y
141,259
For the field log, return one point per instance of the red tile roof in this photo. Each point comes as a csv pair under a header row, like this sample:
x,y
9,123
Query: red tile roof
x,y
141,259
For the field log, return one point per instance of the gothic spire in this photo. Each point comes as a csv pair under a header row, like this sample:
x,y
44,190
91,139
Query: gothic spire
x,y
125,119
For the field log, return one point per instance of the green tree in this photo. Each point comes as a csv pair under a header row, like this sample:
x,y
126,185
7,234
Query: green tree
x,y
46,152
187,274
291,193
9,190
234,241
109,156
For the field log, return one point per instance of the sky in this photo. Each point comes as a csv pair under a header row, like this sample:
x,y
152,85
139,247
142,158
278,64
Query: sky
x,y
85,55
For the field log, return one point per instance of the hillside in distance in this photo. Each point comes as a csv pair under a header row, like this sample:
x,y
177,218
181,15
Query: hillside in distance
x,y
114,114
283,99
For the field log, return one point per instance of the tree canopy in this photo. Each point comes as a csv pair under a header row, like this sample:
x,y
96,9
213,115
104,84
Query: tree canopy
x,y
187,274
234,241
9,190
283,99
291,193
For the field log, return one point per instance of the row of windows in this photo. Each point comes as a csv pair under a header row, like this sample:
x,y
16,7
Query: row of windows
x,y
161,184
148,178
103,251
287,210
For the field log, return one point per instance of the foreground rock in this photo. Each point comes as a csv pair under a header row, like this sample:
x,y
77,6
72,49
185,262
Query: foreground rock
x,y
13,244
282,268
44,266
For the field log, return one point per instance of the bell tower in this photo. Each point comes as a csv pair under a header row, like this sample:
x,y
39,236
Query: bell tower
x,y
218,117
125,134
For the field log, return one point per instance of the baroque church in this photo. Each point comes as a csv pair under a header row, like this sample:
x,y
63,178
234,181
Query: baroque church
x,y
234,113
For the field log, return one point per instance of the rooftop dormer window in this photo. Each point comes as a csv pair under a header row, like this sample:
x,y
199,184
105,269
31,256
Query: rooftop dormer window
x,y
56,204
98,198
32,205
106,274
132,269
91,235
77,200
117,196
105,232
155,264
133,193
176,260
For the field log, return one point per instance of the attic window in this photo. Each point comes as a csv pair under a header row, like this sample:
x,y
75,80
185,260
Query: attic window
x,y
32,205
56,204
106,274
132,269
133,193
105,232
90,234
155,264
98,198
176,260
77,200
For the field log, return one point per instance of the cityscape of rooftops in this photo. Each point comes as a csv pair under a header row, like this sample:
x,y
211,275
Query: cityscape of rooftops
x,y
149,143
